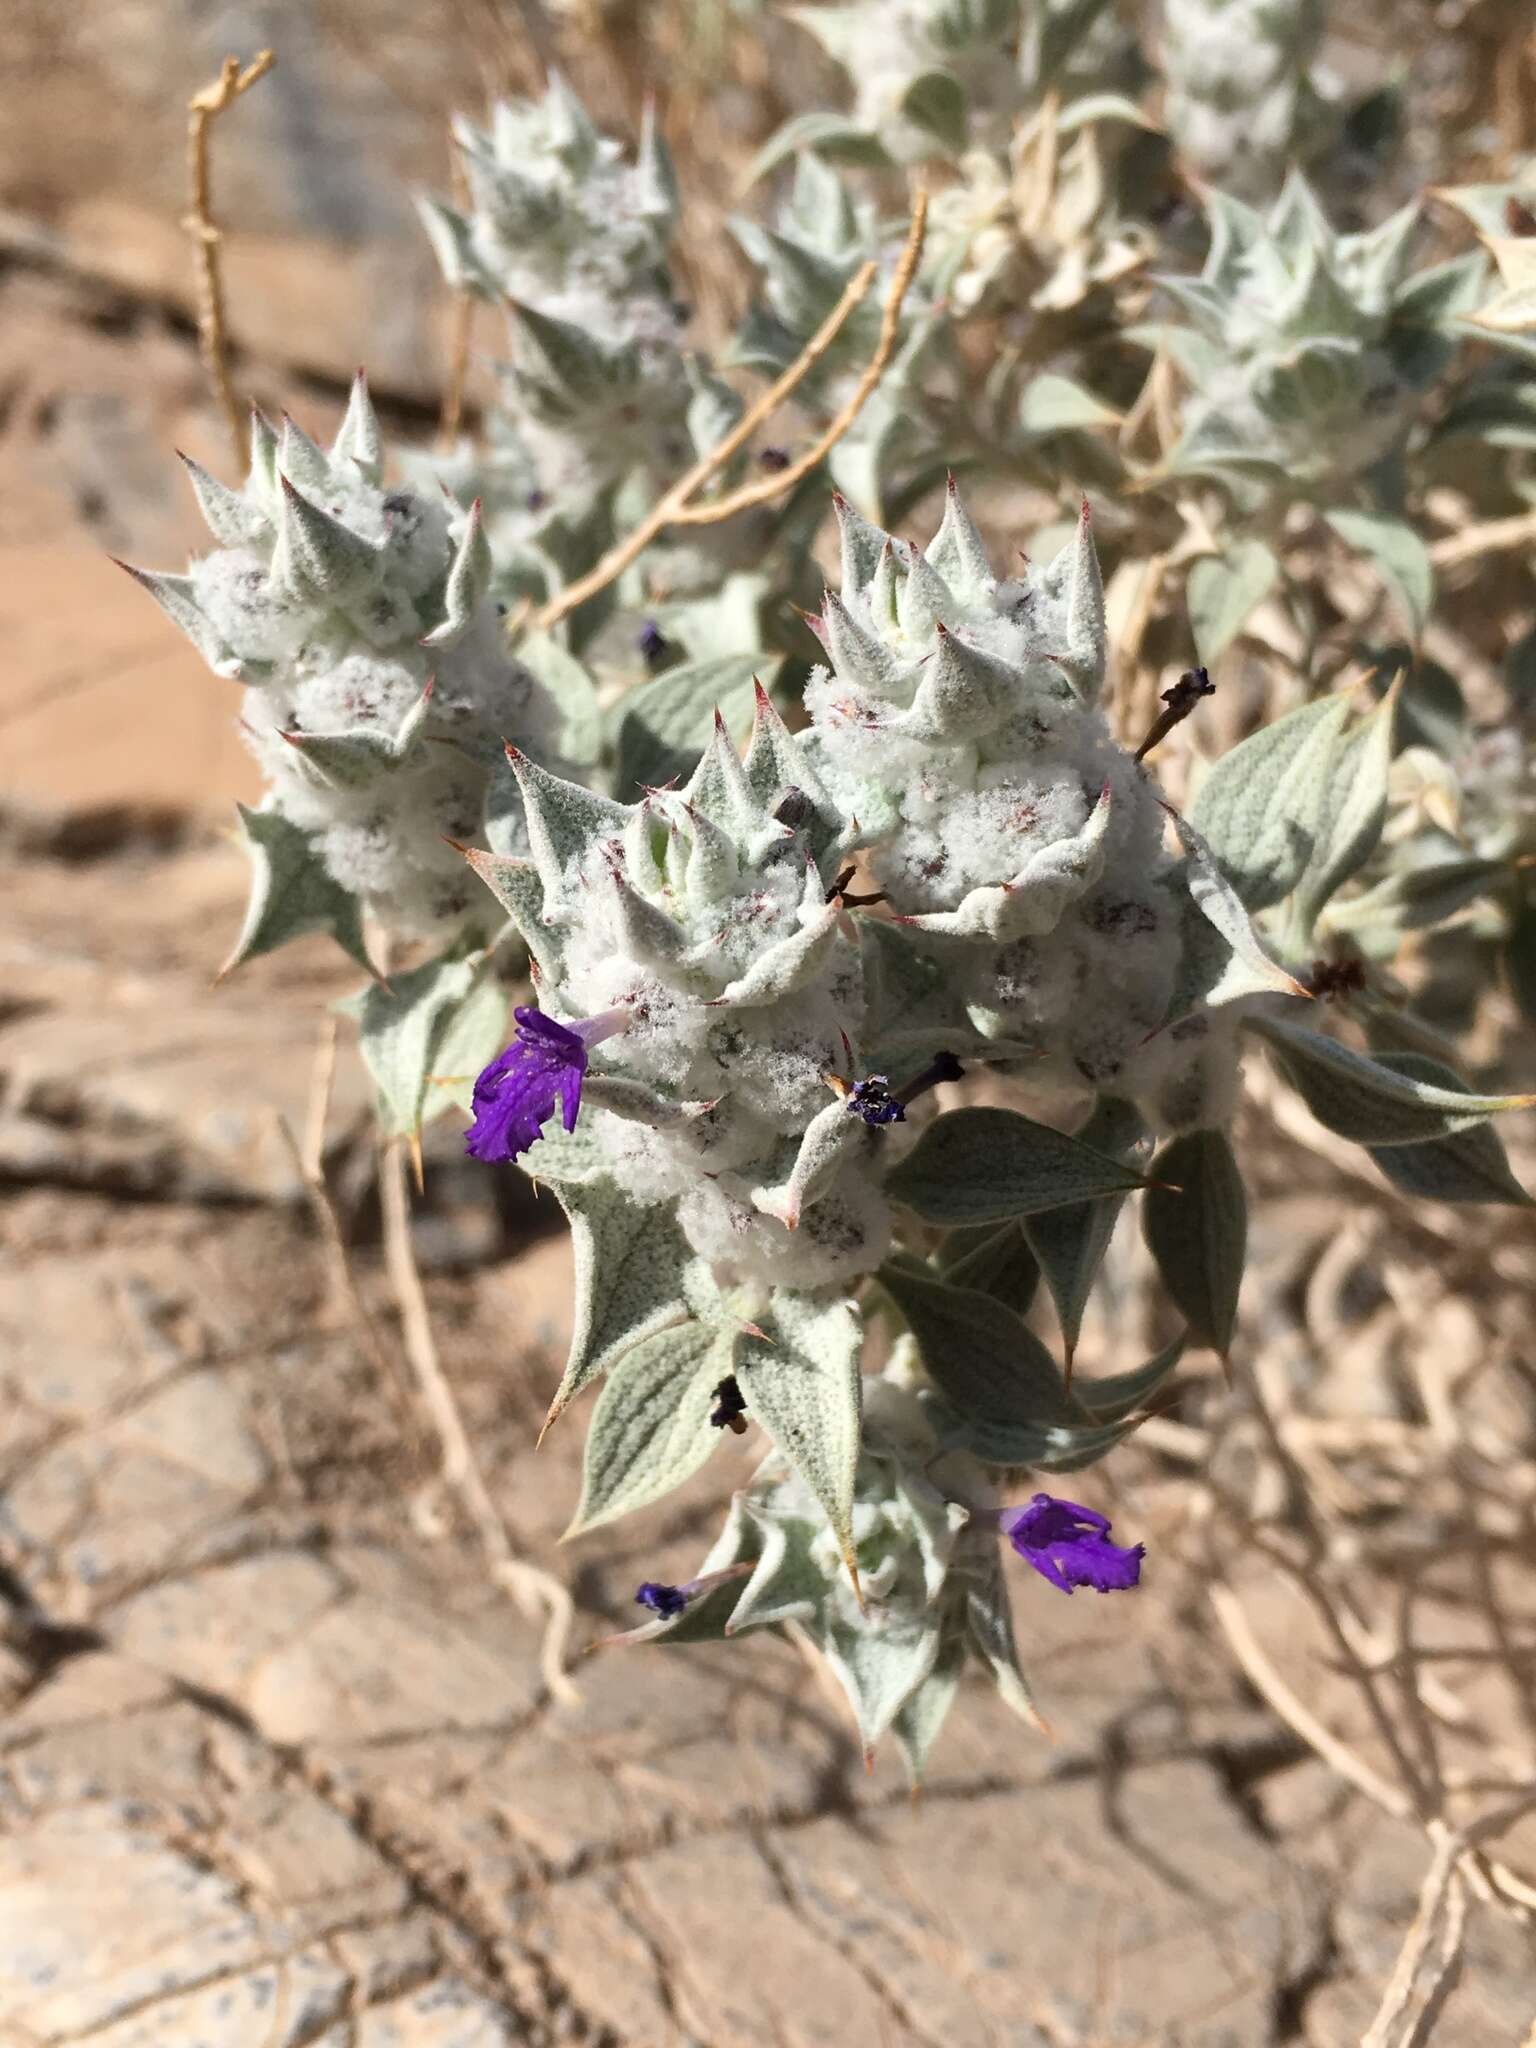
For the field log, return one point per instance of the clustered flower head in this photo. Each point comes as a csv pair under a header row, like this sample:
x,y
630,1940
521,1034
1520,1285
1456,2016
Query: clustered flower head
x,y
704,927
1028,912
925,1592
378,688
1240,99
571,240
1306,348
924,71
1020,849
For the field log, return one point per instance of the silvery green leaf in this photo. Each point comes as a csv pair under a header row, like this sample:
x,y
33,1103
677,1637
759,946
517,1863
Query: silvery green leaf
x,y
989,1618
831,135
1249,970
561,1156
935,102
568,363
650,1429
1368,1101
1069,1244
178,600
473,1034
402,1024
1413,899
661,727
317,556
1353,810
909,994
1431,706
921,1716
803,1386
790,964
992,1258
351,760
713,409
564,819
1493,409
1120,1394
632,1266
1224,590
720,625
788,1581
1102,106
1467,1166
358,439
1258,808
1398,553
570,683
517,888
1053,404
452,242
1442,294
292,892
832,1138
1073,1449
1195,1218
230,515
989,1366
983,1165
880,1660
469,578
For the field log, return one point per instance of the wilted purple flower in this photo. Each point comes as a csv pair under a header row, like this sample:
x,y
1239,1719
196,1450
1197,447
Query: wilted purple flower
x,y
651,641
666,1601
773,459
516,1094
872,1099
1070,1546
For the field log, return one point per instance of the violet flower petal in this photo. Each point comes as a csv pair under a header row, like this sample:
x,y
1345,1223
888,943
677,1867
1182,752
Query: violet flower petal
x,y
667,1601
1070,1545
516,1094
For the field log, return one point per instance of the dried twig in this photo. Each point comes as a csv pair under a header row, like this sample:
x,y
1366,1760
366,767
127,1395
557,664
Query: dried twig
x,y
1490,536
207,236
673,508
1265,1679
769,487
1442,1894
534,1590
381,1358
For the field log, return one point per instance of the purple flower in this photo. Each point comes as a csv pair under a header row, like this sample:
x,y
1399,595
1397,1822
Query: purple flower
x,y
652,642
667,1601
516,1094
1070,1545
872,1099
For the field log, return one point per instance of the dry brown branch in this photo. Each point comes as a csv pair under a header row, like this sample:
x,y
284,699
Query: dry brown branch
x,y
1491,536
673,507
207,236
769,487
1297,1716
385,1365
535,1591
1441,1896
